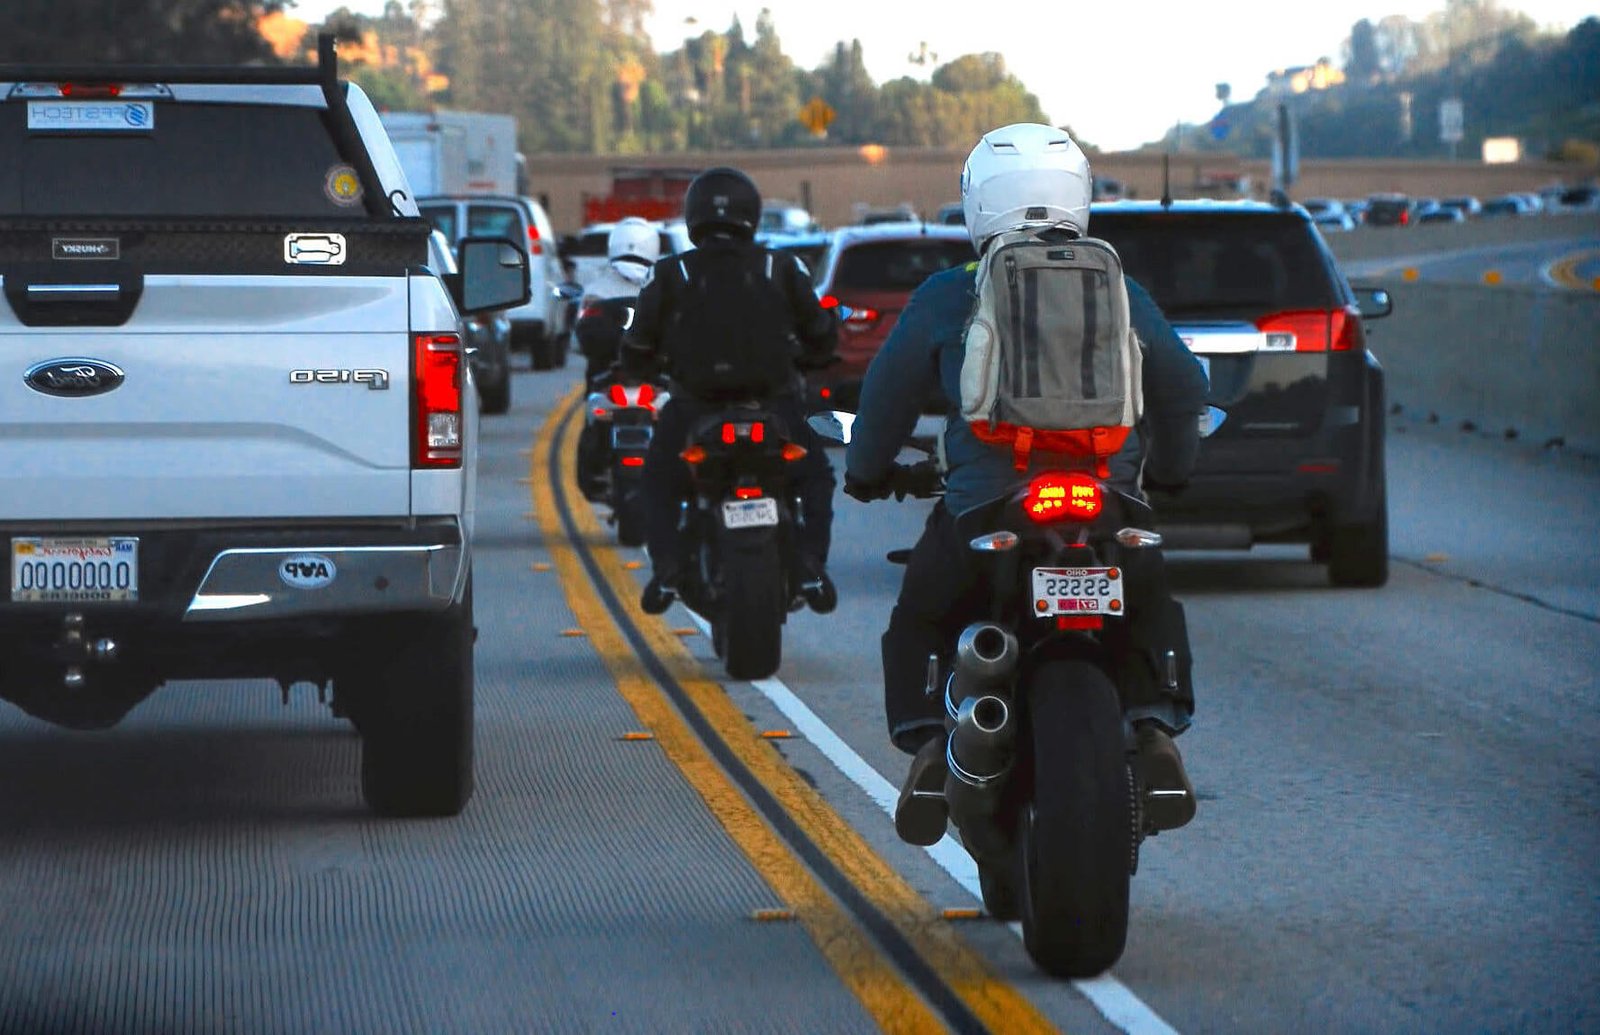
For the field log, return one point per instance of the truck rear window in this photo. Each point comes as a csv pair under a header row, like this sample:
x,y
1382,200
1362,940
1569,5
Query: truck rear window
x,y
1211,263
230,160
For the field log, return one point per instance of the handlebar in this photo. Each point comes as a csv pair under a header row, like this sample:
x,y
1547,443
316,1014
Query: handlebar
x,y
922,480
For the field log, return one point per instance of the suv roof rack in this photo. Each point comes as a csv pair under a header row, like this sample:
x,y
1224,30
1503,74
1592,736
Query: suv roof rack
x,y
325,73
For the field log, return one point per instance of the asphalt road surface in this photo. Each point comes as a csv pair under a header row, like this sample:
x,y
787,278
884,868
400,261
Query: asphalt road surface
x,y
1566,264
1398,827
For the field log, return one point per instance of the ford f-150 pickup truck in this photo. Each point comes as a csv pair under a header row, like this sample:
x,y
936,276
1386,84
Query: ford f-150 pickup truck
x,y
237,432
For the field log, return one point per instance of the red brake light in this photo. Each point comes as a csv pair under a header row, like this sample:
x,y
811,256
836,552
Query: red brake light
x,y
758,432
1307,328
1058,497
589,311
1346,332
633,461
827,393
534,246
90,91
793,452
747,492
828,302
619,395
729,433
647,395
436,372
694,455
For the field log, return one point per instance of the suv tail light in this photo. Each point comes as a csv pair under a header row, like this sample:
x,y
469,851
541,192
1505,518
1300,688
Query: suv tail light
x,y
1317,330
535,246
436,372
1060,497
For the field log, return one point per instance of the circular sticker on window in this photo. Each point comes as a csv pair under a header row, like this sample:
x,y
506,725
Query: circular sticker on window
x,y
343,186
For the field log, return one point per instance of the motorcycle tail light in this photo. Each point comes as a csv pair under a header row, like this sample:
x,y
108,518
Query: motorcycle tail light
x,y
619,395
747,492
1080,622
792,452
729,433
633,461
1061,497
694,455
758,433
647,395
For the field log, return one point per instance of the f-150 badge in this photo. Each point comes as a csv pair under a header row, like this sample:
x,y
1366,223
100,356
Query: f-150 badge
x,y
376,380
314,249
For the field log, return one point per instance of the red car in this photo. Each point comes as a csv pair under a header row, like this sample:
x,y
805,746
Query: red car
x,y
872,271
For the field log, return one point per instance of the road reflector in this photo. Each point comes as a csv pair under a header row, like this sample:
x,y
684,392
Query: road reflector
x,y
1409,274
1436,558
541,566
1492,277
573,632
633,565
686,632
964,913
637,735
1595,283
769,916
776,734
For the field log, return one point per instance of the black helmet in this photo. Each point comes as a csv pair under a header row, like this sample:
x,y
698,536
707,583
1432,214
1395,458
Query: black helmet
x,y
721,199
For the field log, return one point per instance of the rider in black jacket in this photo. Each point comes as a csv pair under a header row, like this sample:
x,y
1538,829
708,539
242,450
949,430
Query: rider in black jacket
x,y
722,208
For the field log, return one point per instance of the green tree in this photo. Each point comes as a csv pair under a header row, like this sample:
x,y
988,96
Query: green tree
x,y
80,31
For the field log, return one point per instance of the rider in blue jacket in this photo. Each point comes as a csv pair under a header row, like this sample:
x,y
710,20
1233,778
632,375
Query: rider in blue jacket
x,y
1019,176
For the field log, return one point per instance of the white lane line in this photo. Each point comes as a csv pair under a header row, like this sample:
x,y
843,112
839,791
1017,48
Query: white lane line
x,y
1116,1003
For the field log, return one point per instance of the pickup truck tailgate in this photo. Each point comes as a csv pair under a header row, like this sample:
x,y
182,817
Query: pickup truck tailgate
x,y
239,396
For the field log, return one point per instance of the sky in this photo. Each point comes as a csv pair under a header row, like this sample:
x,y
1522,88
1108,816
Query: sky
x,y
1119,76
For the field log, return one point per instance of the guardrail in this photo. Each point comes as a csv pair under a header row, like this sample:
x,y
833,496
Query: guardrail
x,y
1509,360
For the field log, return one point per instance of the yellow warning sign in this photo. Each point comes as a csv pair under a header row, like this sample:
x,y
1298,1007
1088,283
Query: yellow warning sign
x,y
817,116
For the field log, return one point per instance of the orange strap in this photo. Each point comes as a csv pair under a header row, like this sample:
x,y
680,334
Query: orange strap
x,y
1021,447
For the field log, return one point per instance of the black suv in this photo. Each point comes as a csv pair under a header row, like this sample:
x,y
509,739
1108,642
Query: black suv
x,y
1299,456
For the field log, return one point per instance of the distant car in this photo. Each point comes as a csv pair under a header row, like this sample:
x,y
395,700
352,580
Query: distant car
x,y
587,248
808,248
488,336
1507,205
1357,209
1466,205
780,218
899,214
1442,214
1334,221
1253,290
1582,198
871,271
1323,206
953,214
1390,210
540,325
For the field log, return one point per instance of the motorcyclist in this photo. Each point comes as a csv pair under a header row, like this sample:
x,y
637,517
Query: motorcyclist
x,y
1037,177
632,248
722,208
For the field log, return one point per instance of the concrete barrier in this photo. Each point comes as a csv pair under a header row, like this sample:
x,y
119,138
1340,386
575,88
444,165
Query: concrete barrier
x,y
1506,359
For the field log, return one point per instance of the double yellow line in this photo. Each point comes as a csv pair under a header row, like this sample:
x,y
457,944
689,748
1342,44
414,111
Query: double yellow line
x,y
861,964
1565,272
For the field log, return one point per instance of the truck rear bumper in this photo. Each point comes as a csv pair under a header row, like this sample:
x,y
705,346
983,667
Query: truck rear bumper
x,y
260,583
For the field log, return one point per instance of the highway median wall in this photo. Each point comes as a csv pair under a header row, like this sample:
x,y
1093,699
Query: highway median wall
x,y
1503,359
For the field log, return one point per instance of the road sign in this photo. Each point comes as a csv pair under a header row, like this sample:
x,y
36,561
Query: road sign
x,y
1452,120
1220,127
817,116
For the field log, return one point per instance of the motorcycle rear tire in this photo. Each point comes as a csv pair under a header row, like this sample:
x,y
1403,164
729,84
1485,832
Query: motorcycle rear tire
x,y
629,511
1076,834
997,880
754,602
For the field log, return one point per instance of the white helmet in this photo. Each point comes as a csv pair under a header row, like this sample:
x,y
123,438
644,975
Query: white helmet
x,y
634,242
1025,175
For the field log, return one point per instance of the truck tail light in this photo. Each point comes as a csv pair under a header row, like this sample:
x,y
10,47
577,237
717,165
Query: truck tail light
x,y
436,373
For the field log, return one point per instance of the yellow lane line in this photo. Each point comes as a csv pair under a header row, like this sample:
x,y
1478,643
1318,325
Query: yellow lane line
x,y
879,986
991,999
1565,271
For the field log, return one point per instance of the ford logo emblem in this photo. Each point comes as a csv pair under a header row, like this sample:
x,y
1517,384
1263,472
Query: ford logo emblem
x,y
72,377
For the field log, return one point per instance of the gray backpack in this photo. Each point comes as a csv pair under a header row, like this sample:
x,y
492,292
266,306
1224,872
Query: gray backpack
x,y
1052,364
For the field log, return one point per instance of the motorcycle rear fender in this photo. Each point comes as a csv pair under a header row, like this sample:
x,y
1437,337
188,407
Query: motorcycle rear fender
x,y
1073,645
740,539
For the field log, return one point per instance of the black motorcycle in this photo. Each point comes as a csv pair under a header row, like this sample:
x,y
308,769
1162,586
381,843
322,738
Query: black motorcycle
x,y
1044,785
619,421
739,523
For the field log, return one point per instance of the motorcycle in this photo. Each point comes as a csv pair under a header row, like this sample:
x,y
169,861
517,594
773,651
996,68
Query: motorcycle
x,y
739,523
619,421
1044,784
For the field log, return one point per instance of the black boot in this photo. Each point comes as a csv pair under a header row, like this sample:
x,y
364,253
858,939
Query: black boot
x,y
659,593
816,588
921,814
1169,796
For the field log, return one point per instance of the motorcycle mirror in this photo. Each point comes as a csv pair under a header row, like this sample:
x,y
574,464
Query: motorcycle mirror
x,y
1211,420
833,425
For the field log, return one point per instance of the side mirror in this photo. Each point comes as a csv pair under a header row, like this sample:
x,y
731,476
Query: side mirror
x,y
494,275
1374,303
834,425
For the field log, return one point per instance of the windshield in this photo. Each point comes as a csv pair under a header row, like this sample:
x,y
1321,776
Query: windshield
x,y
1214,262
897,265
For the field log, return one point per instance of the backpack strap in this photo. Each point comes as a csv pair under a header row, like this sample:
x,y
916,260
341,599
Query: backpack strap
x,y
1022,448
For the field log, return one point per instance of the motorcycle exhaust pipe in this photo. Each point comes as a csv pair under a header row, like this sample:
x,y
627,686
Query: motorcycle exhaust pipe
x,y
979,756
986,656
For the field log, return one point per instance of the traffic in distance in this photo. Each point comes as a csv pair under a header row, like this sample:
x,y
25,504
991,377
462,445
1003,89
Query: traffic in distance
x,y
1065,611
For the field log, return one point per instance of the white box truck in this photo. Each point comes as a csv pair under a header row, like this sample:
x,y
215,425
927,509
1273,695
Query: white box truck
x,y
455,152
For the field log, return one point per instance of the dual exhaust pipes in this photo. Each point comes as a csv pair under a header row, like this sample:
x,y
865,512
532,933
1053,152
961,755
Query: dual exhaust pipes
x,y
983,732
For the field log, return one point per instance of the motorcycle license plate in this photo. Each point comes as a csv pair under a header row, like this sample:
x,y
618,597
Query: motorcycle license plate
x,y
1077,591
750,513
72,571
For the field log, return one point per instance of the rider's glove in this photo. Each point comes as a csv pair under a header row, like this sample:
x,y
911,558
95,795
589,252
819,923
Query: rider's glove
x,y
864,491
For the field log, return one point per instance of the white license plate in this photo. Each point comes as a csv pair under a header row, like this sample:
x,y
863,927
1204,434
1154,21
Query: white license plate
x,y
75,571
1077,591
750,513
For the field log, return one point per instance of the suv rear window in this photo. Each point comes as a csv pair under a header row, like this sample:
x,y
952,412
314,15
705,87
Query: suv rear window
x,y
278,162
1215,263
897,265
441,216
494,221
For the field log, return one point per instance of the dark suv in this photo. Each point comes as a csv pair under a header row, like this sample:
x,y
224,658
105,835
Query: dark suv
x,y
1299,457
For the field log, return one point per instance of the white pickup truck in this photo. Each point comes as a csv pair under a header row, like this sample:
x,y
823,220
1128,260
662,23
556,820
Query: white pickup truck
x,y
237,429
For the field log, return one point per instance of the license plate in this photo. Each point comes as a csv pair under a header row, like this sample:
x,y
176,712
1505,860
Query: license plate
x,y
1077,591
75,571
750,513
